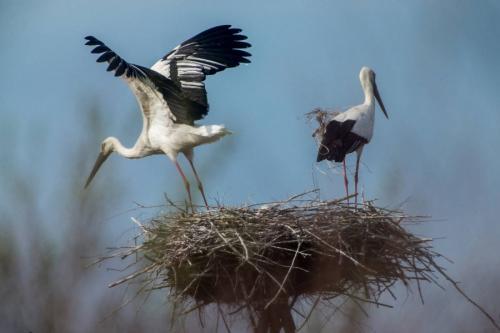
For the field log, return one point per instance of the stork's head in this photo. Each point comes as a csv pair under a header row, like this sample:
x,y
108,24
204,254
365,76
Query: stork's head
x,y
366,75
107,147
369,84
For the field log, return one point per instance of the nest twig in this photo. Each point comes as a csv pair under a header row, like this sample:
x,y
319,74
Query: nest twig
x,y
263,258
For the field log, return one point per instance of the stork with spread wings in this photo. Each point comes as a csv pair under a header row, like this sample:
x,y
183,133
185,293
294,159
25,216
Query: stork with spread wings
x,y
172,96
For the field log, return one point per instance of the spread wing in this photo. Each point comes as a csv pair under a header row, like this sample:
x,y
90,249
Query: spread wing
x,y
209,52
159,98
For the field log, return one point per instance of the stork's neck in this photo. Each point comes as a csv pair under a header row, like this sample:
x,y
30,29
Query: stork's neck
x,y
368,90
134,152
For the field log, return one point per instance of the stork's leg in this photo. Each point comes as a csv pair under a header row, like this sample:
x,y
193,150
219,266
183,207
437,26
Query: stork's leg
x,y
200,185
186,183
346,182
356,178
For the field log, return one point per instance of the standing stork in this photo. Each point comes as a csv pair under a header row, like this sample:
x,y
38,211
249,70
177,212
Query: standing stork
x,y
172,96
351,130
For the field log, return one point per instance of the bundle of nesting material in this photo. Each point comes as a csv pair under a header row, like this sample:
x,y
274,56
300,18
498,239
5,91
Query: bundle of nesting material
x,y
263,258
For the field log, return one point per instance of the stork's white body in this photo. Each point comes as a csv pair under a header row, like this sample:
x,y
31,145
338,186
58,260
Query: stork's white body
x,y
364,116
161,134
171,141
180,138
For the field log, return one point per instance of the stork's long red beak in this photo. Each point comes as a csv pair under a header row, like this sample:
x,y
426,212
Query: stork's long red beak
x,y
100,160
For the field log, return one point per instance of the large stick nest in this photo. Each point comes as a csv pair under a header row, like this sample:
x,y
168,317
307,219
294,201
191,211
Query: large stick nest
x,y
256,257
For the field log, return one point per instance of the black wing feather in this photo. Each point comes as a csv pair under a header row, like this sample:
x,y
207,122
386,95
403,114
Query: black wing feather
x,y
338,141
206,53
183,108
116,63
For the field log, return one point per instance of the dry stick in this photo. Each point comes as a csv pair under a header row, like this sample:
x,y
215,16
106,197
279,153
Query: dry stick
x,y
242,244
337,309
201,320
300,195
123,269
316,302
237,252
194,308
174,307
144,230
223,318
287,322
278,203
297,312
285,278
357,263
172,204
252,319
132,276
418,283
354,297
224,239
121,254
355,301
455,285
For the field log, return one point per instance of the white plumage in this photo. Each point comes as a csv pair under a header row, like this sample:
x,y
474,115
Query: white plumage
x,y
351,130
172,96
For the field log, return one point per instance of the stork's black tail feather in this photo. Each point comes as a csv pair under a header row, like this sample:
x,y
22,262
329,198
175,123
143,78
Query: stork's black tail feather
x,y
331,154
338,141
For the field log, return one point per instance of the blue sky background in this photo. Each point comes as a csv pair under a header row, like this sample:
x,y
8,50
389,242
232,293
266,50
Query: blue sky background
x,y
438,72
